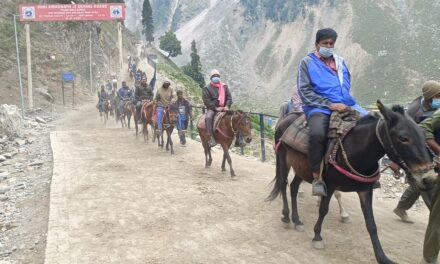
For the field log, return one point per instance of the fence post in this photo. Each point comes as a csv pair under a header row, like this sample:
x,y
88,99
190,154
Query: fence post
x,y
263,146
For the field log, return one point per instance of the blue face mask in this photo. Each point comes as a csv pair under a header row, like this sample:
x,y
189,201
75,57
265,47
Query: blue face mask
x,y
215,80
326,52
435,103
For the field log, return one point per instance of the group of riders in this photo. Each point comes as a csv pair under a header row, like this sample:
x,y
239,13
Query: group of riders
x,y
323,87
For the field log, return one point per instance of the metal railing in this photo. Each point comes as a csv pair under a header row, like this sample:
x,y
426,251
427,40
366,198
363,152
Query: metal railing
x,y
263,140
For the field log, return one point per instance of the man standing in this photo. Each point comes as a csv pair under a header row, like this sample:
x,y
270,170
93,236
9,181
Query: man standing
x,y
216,98
142,92
185,113
164,97
420,109
324,84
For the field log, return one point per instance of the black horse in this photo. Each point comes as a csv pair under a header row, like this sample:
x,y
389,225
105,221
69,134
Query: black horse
x,y
394,134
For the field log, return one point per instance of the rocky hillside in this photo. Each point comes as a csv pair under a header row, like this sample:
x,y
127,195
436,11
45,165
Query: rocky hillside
x,y
390,45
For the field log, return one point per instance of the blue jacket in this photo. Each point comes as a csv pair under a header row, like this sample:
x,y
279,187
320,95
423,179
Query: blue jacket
x,y
125,93
319,86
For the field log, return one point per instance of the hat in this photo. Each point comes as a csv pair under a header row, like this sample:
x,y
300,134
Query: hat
x,y
214,72
430,89
326,33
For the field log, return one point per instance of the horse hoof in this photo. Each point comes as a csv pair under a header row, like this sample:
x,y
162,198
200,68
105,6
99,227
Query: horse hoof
x,y
318,245
285,220
345,218
299,228
233,177
223,170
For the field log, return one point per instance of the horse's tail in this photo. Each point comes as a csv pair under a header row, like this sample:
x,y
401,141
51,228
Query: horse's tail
x,y
278,182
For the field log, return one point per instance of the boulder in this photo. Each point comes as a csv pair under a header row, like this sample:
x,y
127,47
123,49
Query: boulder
x,y
11,122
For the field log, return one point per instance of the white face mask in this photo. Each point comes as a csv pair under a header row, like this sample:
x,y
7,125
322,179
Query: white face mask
x,y
326,52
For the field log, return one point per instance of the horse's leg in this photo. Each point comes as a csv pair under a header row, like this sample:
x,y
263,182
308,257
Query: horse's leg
x,y
228,158
205,149
345,217
143,131
167,145
210,156
136,126
170,139
294,187
366,199
161,140
282,172
129,119
323,210
224,163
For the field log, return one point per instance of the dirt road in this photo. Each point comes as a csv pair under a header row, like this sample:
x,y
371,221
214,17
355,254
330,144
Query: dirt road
x,y
116,199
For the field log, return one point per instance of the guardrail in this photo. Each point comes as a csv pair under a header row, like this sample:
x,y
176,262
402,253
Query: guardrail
x,y
262,117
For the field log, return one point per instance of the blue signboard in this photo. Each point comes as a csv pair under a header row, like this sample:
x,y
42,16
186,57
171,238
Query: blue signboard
x,y
68,76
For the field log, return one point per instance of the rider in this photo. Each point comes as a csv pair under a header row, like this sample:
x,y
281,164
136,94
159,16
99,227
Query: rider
x,y
420,109
431,129
217,98
164,97
142,92
138,76
102,96
324,84
125,94
108,87
293,105
185,113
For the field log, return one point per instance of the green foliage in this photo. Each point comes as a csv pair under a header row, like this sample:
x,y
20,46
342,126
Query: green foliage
x,y
171,44
194,68
268,131
147,21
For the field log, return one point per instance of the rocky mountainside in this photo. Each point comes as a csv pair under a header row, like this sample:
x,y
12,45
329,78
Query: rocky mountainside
x,y
391,46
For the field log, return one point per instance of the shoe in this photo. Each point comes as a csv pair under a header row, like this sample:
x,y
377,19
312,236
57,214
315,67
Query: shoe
x,y
403,215
426,262
319,188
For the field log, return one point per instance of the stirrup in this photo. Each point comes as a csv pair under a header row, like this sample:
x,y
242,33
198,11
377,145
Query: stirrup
x,y
319,188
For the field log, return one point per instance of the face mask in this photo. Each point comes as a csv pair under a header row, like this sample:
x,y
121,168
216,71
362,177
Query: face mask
x,y
215,80
435,103
326,52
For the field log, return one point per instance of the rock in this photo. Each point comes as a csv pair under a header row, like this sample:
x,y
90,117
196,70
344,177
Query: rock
x,y
19,142
44,92
20,186
30,140
11,121
3,198
40,120
4,190
2,158
36,163
4,175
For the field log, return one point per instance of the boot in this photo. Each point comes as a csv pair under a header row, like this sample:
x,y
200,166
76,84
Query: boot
x,y
403,215
211,141
209,130
318,186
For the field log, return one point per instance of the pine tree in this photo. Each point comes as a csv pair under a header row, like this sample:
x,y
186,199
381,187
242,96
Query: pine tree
x,y
171,44
147,22
194,69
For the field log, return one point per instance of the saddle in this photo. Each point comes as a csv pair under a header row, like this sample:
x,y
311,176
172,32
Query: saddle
x,y
216,122
296,135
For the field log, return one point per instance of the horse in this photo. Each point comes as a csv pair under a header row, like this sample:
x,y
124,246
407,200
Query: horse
x,y
233,124
115,103
147,118
106,109
169,121
393,134
126,112
136,118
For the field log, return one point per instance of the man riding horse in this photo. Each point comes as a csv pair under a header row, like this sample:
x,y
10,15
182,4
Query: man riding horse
x,y
324,84
216,98
164,97
102,97
125,94
143,92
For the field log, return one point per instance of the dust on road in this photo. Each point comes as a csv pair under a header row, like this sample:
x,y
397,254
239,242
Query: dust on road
x,y
116,199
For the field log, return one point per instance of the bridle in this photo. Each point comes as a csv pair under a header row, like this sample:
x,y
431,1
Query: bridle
x,y
389,147
236,131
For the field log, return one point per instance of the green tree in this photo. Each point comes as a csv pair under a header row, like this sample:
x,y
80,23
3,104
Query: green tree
x,y
171,44
147,21
194,68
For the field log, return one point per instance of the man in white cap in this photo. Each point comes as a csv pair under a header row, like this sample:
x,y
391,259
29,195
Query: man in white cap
x,y
217,98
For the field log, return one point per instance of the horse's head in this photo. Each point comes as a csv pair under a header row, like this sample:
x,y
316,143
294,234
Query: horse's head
x,y
173,111
404,143
242,125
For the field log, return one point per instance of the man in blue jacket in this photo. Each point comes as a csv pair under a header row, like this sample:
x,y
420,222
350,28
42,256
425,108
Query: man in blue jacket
x,y
324,84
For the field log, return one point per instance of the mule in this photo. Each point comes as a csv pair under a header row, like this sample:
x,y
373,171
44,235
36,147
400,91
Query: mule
x,y
147,119
235,124
126,113
393,134
169,121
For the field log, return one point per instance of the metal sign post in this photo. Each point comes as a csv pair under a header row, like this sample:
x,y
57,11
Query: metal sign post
x,y
68,77
19,67
29,66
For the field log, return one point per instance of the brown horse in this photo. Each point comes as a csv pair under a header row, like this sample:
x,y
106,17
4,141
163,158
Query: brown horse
x,y
394,134
169,121
147,118
136,118
233,124
126,112
106,109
